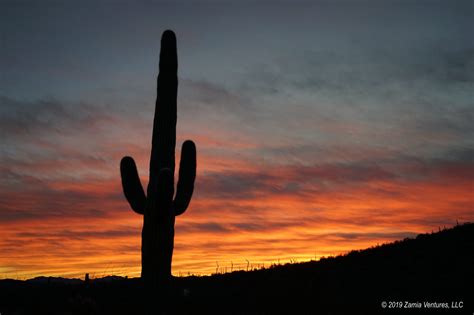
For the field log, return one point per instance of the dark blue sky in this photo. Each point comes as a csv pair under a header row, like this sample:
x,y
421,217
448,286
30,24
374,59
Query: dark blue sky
x,y
395,74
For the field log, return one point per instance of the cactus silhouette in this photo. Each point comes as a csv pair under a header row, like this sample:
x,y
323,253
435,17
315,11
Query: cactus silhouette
x,y
158,206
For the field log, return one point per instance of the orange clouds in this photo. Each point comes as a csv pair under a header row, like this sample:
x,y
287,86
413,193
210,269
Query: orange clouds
x,y
260,214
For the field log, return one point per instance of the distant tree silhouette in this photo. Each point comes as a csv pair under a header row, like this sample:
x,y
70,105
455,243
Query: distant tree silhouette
x,y
158,207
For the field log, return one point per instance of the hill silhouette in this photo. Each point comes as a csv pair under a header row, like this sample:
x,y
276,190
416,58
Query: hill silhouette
x,y
432,268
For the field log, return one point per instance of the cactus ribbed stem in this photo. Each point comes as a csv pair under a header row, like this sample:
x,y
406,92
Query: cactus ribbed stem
x,y
158,206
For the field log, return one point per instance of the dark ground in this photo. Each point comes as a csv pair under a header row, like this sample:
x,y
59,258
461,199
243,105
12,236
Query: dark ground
x,y
436,267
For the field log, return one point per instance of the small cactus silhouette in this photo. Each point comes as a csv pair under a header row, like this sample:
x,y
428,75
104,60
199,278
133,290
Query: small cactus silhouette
x,y
158,206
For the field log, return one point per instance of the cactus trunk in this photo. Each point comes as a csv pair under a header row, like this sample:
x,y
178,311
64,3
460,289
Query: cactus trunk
x,y
158,206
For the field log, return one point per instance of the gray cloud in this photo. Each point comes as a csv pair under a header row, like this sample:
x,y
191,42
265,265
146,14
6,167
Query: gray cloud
x,y
27,197
312,178
46,116
415,80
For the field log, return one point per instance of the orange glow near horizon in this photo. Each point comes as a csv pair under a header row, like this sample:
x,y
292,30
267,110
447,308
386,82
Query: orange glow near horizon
x,y
265,225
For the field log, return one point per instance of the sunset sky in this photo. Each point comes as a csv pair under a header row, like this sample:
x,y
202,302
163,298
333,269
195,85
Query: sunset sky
x,y
320,127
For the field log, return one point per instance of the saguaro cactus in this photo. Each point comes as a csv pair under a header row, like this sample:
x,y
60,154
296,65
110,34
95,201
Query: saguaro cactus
x,y
158,207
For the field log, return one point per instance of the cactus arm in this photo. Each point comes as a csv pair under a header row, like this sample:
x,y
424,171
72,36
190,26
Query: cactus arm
x,y
132,188
187,175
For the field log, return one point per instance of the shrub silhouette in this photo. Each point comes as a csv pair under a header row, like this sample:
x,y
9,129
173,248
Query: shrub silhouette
x,y
158,206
